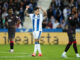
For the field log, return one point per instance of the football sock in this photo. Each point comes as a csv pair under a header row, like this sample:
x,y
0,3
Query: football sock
x,y
75,47
68,46
39,49
11,44
35,48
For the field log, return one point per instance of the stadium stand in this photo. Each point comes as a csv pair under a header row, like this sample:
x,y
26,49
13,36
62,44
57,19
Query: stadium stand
x,y
56,9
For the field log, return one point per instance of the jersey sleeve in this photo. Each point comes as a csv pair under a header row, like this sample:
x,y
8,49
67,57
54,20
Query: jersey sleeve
x,y
42,17
31,16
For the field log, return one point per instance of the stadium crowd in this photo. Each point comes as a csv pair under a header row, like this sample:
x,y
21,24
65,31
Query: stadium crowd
x,y
57,13
18,8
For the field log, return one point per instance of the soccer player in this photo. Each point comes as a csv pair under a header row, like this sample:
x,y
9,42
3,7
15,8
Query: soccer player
x,y
11,22
72,22
37,19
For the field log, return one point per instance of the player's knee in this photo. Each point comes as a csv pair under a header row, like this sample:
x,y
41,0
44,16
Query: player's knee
x,y
70,42
74,42
36,41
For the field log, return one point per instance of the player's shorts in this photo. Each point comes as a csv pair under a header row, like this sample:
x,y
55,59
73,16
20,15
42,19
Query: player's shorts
x,y
37,34
11,33
71,35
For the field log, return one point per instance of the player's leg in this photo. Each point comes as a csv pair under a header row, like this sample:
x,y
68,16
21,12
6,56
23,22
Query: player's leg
x,y
68,45
39,49
35,48
11,34
37,45
75,46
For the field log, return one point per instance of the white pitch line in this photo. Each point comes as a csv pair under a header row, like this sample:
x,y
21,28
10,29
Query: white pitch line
x,y
15,56
28,56
13,53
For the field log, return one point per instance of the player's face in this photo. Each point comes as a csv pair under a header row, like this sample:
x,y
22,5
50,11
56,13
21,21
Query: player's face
x,y
10,11
37,12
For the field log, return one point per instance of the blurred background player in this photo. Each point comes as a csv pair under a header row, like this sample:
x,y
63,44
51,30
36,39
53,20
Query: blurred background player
x,y
37,19
11,22
72,23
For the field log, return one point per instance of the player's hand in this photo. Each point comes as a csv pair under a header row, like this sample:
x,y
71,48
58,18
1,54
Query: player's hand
x,y
27,7
39,7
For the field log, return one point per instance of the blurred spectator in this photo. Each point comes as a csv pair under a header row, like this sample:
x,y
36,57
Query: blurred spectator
x,y
58,3
4,14
53,4
5,5
56,24
63,24
58,13
66,12
52,19
21,13
44,24
16,5
71,3
31,8
50,12
0,22
11,4
50,24
34,3
26,2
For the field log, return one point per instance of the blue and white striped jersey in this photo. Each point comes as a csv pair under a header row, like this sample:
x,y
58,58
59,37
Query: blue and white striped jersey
x,y
37,21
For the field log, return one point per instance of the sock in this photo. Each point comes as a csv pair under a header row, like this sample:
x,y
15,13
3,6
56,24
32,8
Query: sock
x,y
35,48
11,45
68,46
75,47
39,49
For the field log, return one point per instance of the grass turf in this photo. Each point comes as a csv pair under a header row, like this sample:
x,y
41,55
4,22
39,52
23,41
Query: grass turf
x,y
23,52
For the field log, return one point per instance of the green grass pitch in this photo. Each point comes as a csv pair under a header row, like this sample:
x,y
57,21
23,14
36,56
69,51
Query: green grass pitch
x,y
23,52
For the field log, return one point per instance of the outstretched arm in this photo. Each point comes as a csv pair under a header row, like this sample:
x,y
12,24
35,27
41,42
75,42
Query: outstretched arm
x,y
26,11
44,12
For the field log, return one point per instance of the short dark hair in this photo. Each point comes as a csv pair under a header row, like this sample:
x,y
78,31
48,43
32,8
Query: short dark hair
x,y
36,8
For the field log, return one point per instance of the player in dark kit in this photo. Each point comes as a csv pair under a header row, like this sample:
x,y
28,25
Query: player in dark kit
x,y
11,22
72,22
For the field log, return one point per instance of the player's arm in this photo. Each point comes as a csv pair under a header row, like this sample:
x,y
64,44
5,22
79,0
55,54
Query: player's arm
x,y
26,11
44,12
18,20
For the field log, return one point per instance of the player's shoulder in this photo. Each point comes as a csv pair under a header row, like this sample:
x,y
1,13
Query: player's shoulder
x,y
31,14
41,14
